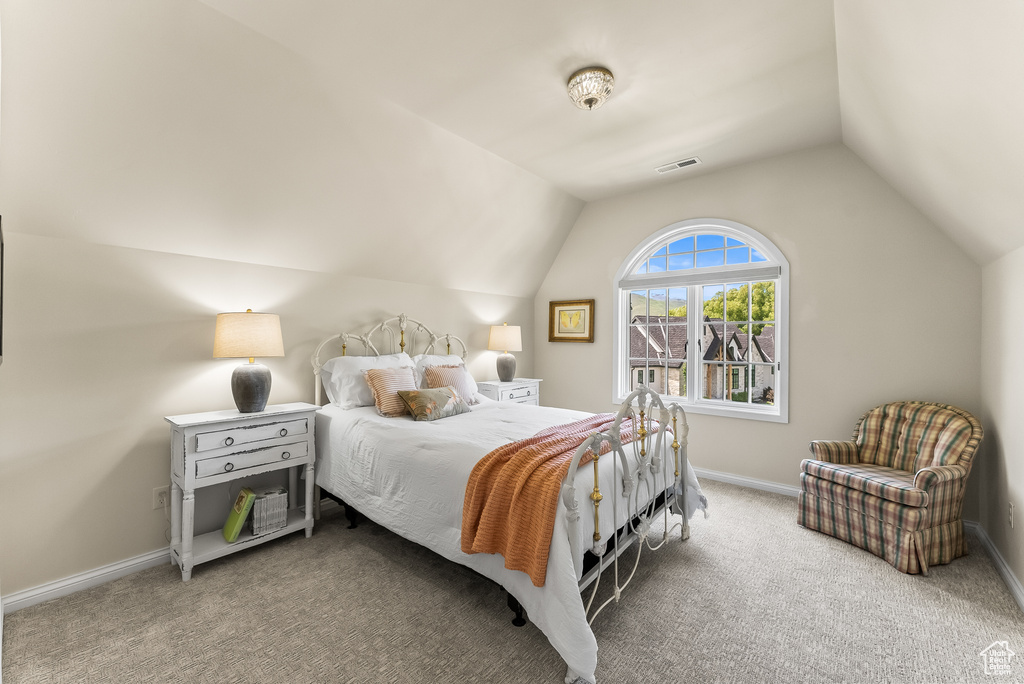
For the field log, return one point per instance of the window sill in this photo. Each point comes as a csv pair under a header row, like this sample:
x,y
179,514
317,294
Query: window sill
x,y
715,409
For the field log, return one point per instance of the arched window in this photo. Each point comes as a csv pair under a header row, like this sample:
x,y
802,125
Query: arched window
x,y
701,317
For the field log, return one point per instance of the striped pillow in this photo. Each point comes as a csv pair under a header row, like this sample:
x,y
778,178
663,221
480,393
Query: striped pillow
x,y
385,383
453,376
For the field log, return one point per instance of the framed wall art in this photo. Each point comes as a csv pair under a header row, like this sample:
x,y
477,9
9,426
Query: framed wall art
x,y
571,321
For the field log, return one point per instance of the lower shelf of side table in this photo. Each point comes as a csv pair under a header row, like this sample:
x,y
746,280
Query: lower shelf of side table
x,y
211,545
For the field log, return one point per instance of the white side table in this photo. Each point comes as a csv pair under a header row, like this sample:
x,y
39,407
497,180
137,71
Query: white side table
x,y
519,390
221,446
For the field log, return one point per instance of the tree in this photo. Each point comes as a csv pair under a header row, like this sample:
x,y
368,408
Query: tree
x,y
734,304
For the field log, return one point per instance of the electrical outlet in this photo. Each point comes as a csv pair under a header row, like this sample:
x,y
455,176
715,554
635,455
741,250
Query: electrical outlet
x,y
161,497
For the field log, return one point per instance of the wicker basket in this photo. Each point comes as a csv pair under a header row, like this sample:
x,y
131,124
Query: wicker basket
x,y
269,510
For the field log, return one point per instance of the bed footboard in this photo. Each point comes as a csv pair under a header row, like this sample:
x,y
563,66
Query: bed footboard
x,y
649,478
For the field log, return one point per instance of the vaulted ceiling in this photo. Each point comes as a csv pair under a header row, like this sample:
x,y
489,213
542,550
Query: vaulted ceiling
x,y
251,130
926,91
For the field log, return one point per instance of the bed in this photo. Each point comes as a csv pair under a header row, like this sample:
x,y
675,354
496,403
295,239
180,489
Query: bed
x,y
411,477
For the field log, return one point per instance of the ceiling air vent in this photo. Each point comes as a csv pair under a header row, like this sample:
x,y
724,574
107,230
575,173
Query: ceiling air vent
x,y
683,163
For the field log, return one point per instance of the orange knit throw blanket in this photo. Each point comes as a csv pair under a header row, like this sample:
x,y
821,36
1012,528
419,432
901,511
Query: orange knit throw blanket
x,y
512,495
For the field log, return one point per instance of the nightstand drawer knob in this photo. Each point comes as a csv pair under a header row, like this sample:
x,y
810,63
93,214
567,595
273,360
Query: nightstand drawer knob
x,y
286,455
228,467
527,392
284,432
229,441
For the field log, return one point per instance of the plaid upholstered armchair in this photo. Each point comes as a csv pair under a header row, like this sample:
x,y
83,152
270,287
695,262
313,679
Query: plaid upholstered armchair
x,y
897,488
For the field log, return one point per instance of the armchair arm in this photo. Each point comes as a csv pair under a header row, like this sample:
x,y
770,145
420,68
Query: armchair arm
x,y
928,478
842,453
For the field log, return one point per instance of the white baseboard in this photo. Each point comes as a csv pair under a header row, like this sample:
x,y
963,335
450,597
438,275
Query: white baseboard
x,y
787,490
1012,583
83,580
93,578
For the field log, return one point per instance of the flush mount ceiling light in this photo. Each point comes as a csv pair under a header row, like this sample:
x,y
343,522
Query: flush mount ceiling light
x,y
590,87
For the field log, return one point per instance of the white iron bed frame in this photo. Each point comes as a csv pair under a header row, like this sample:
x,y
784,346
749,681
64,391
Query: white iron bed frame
x,y
636,463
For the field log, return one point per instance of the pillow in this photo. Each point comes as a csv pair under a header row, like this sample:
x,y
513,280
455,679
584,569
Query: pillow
x,y
434,404
343,379
385,383
421,361
453,376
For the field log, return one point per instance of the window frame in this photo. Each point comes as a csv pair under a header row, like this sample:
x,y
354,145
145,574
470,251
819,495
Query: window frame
x,y
776,267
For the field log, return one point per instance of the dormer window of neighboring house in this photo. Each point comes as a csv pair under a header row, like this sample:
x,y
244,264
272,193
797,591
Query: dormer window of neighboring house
x,y
722,285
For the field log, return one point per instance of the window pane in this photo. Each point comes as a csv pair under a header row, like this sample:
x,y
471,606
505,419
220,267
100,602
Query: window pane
x,y
736,308
677,341
710,242
637,304
661,252
736,340
642,268
756,256
684,245
762,304
713,258
637,373
711,340
762,389
680,262
714,301
713,380
656,265
657,302
677,305
638,343
729,242
676,378
737,255
763,345
736,376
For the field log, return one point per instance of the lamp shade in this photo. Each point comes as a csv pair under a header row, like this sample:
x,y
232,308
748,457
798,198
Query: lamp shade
x,y
506,338
247,335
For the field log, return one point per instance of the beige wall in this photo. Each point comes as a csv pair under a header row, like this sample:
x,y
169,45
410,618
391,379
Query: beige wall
x,y
101,342
160,163
883,306
1002,458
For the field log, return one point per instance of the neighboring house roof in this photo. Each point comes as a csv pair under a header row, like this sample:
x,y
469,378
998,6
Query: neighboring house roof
x,y
647,340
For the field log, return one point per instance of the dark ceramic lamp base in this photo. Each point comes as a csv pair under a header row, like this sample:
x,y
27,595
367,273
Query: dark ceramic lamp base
x,y
506,367
250,386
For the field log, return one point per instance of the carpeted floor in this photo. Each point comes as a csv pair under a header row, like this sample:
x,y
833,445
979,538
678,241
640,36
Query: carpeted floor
x,y
751,597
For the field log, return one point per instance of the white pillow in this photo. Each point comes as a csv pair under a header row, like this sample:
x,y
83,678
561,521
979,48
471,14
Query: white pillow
x,y
343,378
421,361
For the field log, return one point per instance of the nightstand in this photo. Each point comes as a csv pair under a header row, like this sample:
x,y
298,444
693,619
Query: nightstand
x,y
519,391
221,446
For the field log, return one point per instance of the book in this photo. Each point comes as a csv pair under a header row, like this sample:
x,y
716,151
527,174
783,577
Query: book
x,y
269,510
239,512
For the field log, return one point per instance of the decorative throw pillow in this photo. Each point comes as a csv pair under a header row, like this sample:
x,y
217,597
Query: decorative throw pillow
x,y
385,383
420,363
433,404
453,376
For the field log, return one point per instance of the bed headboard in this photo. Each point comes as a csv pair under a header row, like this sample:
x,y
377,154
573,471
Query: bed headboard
x,y
390,336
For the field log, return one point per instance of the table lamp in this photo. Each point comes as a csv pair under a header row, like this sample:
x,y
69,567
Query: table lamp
x,y
248,335
505,338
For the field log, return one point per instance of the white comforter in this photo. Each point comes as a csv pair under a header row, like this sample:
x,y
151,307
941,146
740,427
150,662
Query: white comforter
x,y
411,478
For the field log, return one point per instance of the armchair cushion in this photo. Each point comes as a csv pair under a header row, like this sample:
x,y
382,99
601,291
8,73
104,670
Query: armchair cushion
x,y
885,483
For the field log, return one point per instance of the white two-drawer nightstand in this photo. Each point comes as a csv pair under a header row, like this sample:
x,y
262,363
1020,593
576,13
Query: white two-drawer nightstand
x,y
220,446
520,390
